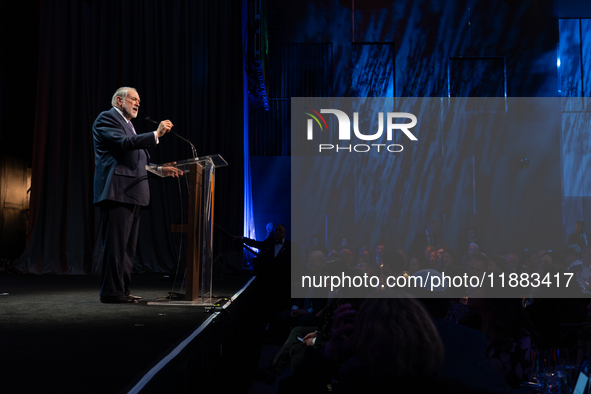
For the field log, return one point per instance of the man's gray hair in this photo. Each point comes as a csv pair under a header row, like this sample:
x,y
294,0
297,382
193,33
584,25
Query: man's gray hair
x,y
121,92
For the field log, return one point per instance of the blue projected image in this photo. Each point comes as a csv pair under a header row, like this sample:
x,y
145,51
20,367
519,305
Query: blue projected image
x,y
372,69
448,49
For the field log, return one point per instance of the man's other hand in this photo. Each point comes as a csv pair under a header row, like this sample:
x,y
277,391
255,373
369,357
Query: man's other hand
x,y
169,170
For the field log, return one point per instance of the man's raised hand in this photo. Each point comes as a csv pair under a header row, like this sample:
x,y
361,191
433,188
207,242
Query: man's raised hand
x,y
164,127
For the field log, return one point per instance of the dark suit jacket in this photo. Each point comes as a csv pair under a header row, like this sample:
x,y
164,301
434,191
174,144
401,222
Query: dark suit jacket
x,y
120,160
274,274
575,239
267,264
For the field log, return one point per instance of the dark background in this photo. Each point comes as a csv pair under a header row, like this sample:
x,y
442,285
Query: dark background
x,y
184,58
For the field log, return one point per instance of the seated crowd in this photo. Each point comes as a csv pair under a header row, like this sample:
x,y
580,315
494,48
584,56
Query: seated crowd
x,y
467,340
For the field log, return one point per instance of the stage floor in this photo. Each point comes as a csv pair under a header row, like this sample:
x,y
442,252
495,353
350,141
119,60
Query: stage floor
x,y
56,335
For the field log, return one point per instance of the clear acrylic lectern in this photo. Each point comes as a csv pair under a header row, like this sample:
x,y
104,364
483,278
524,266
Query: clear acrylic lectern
x,y
201,179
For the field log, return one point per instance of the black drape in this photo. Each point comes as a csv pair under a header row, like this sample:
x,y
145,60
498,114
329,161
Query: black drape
x,y
185,60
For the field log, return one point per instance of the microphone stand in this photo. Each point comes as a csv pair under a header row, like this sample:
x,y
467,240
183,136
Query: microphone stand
x,y
182,138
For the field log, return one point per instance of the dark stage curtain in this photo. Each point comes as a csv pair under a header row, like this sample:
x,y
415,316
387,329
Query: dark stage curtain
x,y
185,60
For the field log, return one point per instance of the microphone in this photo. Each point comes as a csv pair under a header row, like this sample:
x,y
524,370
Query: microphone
x,y
182,138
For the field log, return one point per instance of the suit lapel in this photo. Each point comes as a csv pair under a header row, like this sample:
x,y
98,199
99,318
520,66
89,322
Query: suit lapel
x,y
128,130
122,121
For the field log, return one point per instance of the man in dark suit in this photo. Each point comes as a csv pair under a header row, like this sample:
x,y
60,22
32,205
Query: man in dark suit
x,y
470,238
427,236
579,239
121,188
273,270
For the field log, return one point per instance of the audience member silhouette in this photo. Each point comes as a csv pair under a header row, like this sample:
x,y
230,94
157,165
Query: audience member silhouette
x,y
471,237
427,236
579,239
273,270
393,342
